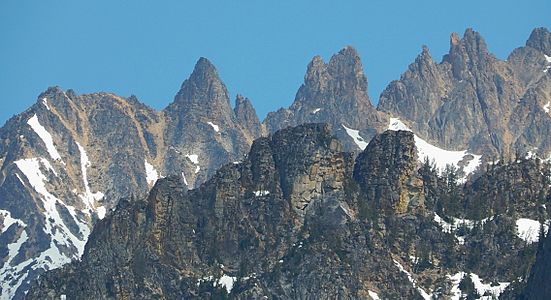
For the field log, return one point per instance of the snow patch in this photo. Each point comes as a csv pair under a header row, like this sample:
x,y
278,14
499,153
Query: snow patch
x,y
88,198
10,279
455,290
424,294
529,230
9,220
355,135
194,158
487,291
45,136
315,111
440,156
546,107
101,211
45,102
261,193
373,295
151,174
61,238
214,126
225,281
58,230
457,223
547,58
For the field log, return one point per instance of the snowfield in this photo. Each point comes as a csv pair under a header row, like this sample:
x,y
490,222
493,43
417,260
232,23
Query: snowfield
x,y
440,156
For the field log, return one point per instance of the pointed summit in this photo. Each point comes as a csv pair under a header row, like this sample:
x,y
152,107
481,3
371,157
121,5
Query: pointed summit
x,y
246,116
471,43
467,52
203,94
204,69
346,65
424,58
540,39
333,93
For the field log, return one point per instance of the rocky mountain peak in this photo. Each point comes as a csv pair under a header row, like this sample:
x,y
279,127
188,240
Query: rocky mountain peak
x,y
334,93
424,59
466,53
203,94
204,70
472,41
316,73
540,39
346,67
246,116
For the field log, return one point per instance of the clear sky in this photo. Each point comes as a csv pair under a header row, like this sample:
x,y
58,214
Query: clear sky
x,y
260,48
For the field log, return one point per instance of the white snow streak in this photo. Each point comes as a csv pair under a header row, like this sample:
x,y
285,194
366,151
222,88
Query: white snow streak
x,y
424,294
45,102
440,156
529,230
45,136
151,174
373,295
315,111
184,176
355,135
54,224
546,107
214,126
88,198
547,58
9,274
455,290
54,227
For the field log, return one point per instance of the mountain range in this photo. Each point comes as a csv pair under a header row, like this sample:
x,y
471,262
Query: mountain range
x,y
434,192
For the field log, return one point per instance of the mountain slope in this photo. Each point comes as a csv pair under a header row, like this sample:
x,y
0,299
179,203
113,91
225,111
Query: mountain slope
x,y
473,100
68,159
298,218
334,93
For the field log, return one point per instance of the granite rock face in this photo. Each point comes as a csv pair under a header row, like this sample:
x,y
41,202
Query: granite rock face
x,y
298,218
387,170
473,100
246,116
334,93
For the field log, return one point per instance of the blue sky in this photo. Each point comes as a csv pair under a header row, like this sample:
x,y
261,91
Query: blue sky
x,y
260,48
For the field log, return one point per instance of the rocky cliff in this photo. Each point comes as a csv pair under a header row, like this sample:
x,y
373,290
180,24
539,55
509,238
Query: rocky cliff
x,y
299,219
